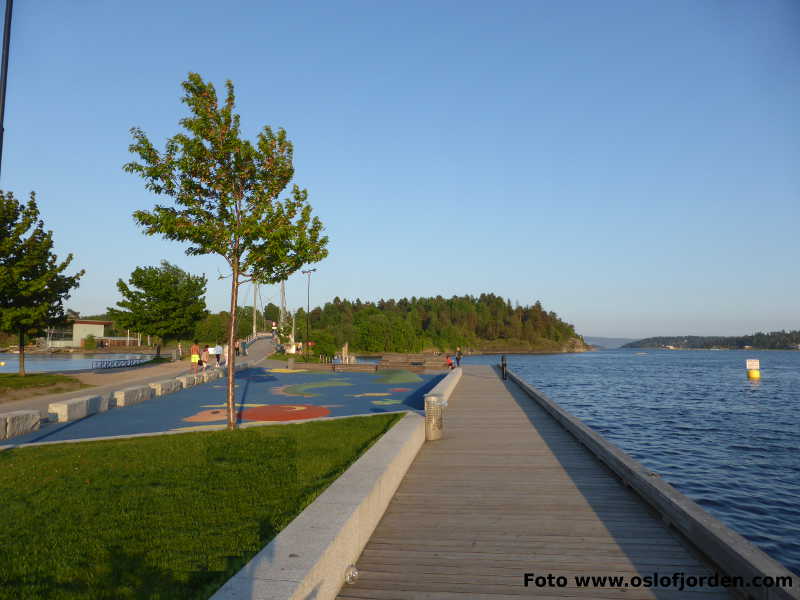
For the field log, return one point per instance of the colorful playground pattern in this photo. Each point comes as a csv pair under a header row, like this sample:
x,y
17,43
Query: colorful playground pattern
x,y
262,395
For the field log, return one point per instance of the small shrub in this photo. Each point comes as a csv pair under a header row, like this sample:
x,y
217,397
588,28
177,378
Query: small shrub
x,y
89,342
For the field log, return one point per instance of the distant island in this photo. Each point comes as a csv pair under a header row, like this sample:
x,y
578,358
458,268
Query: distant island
x,y
478,324
775,340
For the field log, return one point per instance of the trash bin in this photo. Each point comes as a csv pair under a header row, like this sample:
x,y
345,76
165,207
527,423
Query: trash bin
x,y
290,363
434,417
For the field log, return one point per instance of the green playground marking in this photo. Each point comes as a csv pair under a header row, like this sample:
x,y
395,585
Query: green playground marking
x,y
301,389
394,376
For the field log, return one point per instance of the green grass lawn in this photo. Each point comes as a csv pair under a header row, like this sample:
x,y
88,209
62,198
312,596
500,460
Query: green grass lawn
x,y
298,358
12,381
161,517
35,384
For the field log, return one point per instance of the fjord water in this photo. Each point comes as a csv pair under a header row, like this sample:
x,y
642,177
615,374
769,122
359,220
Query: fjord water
x,y
730,444
48,363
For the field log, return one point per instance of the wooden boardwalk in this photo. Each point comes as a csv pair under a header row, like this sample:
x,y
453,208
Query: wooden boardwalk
x,y
508,492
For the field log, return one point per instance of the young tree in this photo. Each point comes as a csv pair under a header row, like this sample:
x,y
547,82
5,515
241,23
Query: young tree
x,y
226,194
33,286
165,301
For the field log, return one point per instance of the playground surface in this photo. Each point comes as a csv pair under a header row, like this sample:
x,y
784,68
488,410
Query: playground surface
x,y
263,395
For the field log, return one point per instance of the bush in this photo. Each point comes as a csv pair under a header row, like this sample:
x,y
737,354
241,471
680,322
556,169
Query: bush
x,y
89,342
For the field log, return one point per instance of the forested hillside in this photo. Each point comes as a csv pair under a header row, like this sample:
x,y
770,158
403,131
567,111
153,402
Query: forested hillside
x,y
775,340
487,323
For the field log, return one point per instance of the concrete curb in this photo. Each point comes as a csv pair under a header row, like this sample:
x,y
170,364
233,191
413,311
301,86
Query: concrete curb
x,y
309,557
216,427
445,387
728,551
12,424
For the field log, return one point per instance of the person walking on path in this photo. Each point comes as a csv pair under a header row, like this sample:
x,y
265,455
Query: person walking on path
x,y
204,357
218,352
194,353
180,351
236,347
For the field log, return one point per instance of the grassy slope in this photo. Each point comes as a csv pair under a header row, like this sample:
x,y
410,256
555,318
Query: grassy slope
x,y
162,517
36,384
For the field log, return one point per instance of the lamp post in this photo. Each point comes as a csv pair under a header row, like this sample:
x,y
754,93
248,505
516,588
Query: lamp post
x,y
308,308
4,71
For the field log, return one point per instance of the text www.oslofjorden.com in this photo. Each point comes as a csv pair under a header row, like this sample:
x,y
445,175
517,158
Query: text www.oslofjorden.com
x,y
676,581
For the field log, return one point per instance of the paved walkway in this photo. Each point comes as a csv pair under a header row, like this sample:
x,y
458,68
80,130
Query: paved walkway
x,y
508,492
115,379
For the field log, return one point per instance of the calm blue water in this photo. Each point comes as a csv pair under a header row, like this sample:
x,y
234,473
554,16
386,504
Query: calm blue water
x,y
37,363
731,445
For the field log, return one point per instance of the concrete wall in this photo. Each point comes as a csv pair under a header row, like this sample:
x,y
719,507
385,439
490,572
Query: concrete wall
x,y
309,557
81,330
728,551
445,387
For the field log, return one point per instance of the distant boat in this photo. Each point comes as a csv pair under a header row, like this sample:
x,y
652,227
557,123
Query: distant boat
x,y
641,354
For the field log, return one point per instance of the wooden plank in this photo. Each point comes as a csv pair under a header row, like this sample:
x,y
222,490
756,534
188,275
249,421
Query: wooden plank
x,y
508,491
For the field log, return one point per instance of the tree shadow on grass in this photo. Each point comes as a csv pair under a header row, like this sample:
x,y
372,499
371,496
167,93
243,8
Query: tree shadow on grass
x,y
123,575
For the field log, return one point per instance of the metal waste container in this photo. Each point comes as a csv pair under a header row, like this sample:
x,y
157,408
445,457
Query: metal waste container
x,y
434,417
290,363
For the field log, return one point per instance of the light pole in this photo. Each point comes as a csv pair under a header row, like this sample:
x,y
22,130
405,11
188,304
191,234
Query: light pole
x,y
4,71
308,308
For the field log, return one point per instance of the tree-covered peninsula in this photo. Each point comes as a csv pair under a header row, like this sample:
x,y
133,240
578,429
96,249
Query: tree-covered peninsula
x,y
775,340
487,323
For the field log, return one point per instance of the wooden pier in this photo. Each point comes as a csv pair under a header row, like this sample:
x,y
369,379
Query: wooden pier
x,y
507,492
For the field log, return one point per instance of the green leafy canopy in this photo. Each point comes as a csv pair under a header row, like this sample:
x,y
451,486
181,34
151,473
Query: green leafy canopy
x,y
226,197
33,286
226,191
165,301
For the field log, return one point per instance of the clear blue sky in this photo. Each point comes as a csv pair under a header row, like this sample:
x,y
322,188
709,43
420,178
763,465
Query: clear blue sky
x,y
635,165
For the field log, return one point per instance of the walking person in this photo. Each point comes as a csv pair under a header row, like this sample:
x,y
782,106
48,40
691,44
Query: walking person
x,y
459,356
194,353
218,352
180,351
236,347
205,357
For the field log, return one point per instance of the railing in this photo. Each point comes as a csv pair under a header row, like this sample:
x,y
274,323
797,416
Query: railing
x,y
119,363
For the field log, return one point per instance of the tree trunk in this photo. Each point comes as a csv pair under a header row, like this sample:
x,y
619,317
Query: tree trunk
x,y
231,344
22,352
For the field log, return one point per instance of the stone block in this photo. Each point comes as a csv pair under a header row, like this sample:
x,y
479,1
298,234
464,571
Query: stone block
x,y
77,408
187,381
168,386
20,421
133,395
241,366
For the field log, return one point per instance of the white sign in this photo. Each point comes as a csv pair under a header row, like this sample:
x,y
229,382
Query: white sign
x,y
753,364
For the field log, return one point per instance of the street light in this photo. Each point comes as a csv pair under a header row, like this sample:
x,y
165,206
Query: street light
x,y
308,308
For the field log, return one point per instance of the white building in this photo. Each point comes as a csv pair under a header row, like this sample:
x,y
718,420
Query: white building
x,y
74,338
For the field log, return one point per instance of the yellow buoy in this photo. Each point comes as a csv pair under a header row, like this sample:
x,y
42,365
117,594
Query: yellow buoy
x,y
753,368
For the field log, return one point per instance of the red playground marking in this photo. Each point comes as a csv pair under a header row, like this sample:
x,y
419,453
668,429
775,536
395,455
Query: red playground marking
x,y
400,390
284,412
